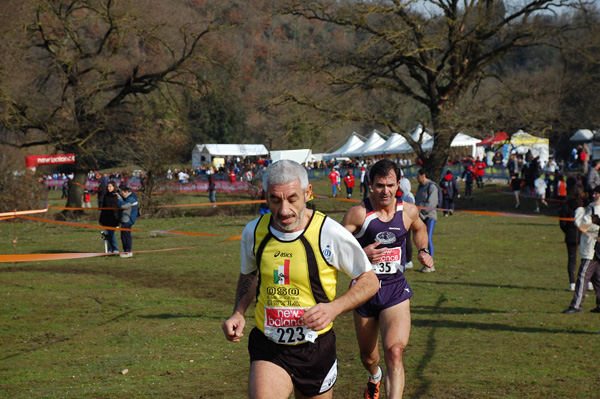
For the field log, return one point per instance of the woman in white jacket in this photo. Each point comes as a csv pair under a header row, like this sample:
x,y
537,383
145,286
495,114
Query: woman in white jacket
x,y
587,220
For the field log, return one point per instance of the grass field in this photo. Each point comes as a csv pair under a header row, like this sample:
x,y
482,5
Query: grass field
x,y
486,324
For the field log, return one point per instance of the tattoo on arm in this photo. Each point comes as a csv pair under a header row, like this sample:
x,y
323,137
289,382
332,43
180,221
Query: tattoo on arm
x,y
244,286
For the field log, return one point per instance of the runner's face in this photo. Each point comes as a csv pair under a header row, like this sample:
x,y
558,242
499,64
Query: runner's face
x,y
287,203
385,188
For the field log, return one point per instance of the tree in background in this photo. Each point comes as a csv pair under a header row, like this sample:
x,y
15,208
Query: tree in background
x,y
431,54
80,71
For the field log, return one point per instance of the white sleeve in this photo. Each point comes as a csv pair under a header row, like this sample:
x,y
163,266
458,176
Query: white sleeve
x,y
342,250
248,260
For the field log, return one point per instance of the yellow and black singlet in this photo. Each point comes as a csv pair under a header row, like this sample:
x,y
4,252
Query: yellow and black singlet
x,y
292,276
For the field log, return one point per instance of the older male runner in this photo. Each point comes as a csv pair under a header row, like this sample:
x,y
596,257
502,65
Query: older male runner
x,y
293,255
381,224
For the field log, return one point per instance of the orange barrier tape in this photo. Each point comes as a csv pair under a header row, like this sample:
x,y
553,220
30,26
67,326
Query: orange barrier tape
x,y
233,238
7,217
17,213
93,226
44,257
66,256
65,208
488,213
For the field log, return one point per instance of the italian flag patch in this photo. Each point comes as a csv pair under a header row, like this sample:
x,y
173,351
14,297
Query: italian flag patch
x,y
281,275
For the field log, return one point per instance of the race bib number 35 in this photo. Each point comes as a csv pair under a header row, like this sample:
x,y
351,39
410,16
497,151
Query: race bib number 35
x,y
390,262
283,326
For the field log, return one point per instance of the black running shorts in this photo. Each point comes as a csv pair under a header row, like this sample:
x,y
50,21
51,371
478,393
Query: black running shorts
x,y
311,366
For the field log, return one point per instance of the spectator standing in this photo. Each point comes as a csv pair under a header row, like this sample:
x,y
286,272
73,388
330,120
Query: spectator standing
x,y
87,198
109,216
480,166
574,200
65,189
363,172
561,187
333,176
128,205
450,189
349,183
583,160
102,189
232,176
468,176
587,220
593,177
365,185
212,194
427,198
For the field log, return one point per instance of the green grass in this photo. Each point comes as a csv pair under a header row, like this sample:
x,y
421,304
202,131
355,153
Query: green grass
x,y
486,324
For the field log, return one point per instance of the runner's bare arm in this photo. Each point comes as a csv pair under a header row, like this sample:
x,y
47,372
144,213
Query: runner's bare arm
x,y
319,316
233,328
354,218
353,221
420,237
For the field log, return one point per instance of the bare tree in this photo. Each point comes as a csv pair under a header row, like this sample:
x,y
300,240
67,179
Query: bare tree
x,y
84,64
433,54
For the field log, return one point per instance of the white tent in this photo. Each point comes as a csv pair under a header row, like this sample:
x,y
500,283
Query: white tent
x,y
204,153
351,144
374,141
582,135
464,140
418,135
299,156
394,141
401,145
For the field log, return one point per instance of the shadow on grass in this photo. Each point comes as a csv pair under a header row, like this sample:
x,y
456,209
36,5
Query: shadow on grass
x,y
494,327
424,383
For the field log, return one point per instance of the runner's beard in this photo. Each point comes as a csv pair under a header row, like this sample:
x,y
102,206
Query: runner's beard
x,y
292,227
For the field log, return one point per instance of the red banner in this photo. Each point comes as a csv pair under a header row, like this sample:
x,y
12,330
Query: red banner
x,y
31,161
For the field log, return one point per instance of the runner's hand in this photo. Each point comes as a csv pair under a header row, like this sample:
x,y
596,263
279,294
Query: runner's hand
x,y
319,316
373,253
233,327
425,259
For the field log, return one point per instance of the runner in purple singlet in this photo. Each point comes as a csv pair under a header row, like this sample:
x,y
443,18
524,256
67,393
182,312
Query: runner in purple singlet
x,y
381,224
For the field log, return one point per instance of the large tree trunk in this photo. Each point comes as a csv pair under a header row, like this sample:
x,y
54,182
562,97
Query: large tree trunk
x,y
443,134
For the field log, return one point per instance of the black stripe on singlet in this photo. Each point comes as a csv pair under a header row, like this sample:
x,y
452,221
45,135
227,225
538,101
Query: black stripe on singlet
x,y
313,273
259,252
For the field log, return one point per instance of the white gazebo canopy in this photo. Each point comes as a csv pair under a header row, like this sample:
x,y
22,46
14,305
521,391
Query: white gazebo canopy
x,y
393,142
374,141
351,144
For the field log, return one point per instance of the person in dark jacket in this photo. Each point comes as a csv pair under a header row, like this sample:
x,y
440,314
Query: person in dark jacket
x,y
575,199
102,187
109,216
128,211
450,189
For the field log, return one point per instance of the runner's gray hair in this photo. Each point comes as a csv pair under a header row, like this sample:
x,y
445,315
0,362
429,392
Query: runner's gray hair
x,y
283,172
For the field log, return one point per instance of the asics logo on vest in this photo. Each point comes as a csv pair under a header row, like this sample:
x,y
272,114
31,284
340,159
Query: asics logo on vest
x,y
282,254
